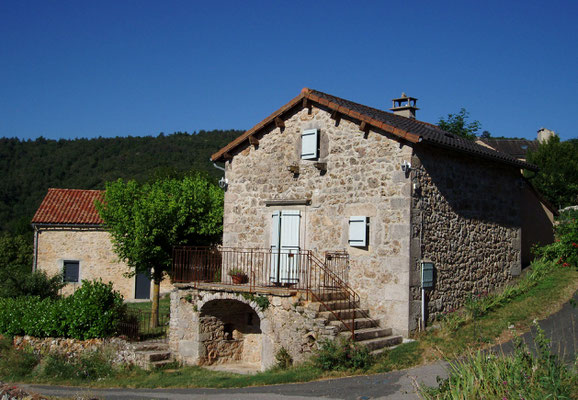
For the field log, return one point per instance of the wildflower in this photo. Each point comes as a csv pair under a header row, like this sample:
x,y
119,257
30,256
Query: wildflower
x,y
565,264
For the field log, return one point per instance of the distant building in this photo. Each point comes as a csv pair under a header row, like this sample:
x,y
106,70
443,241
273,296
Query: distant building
x,y
69,238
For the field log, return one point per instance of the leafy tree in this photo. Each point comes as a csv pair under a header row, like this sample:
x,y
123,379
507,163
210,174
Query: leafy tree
x,y
558,175
147,220
458,125
16,276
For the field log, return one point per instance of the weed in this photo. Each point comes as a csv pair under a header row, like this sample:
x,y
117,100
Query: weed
x,y
284,359
342,354
262,301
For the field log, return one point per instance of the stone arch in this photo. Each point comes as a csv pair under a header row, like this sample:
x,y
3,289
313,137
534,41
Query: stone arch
x,y
230,330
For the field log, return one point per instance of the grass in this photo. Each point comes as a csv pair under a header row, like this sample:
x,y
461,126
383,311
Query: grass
x,y
164,305
539,300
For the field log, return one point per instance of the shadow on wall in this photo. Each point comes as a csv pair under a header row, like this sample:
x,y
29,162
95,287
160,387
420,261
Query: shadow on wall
x,y
229,331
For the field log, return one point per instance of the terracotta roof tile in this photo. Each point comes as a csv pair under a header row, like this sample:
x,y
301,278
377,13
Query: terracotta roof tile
x,y
69,206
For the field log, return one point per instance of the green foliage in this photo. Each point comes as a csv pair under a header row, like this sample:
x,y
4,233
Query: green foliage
x,y
341,355
283,358
557,179
90,365
564,250
147,220
520,376
262,301
14,363
93,311
458,125
89,163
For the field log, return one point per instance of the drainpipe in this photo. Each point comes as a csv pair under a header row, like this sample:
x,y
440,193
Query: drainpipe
x,y
35,257
216,166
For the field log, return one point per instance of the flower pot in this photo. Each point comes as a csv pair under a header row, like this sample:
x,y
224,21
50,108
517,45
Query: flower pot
x,y
240,279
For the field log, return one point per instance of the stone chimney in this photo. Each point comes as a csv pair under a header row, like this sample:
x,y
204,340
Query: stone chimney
x,y
405,106
545,134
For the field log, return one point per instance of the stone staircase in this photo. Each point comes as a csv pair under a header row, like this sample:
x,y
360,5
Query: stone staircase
x,y
333,309
152,354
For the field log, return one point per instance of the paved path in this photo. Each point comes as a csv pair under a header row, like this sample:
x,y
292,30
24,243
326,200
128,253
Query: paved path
x,y
398,385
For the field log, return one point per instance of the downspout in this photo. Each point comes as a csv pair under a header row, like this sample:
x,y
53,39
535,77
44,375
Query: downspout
x,y
223,181
216,166
35,257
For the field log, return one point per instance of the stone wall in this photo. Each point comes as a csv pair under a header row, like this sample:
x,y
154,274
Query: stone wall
x,y
198,331
121,351
93,249
466,219
363,178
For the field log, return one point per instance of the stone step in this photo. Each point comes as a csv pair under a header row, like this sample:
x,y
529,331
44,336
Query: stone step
x,y
330,295
360,323
381,342
331,305
367,333
343,314
151,346
160,363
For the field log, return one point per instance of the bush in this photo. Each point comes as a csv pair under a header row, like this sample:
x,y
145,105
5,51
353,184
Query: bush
x,y
564,251
15,363
342,355
93,311
90,365
519,376
283,358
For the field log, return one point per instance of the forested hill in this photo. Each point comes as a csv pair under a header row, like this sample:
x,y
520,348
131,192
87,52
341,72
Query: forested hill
x,y
29,168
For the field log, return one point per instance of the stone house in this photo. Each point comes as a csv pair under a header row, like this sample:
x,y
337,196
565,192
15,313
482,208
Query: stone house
x,y
335,213
69,238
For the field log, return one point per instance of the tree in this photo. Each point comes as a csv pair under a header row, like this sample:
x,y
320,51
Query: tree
x,y
557,178
147,220
458,125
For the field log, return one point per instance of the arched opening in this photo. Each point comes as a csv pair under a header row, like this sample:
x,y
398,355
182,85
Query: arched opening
x,y
229,332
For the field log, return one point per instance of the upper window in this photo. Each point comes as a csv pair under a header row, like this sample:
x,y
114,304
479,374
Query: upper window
x,y
310,144
71,271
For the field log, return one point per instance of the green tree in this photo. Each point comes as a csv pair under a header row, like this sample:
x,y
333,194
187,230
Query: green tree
x,y
458,125
147,220
557,178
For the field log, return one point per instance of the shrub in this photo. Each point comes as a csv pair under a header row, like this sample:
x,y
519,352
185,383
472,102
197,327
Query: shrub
x,y
564,251
90,365
15,363
93,311
342,354
519,376
284,359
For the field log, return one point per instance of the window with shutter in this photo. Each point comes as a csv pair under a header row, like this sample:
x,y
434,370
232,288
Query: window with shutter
x,y
358,231
310,144
71,271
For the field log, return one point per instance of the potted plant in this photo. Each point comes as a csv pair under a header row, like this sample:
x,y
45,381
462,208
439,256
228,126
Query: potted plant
x,y
238,275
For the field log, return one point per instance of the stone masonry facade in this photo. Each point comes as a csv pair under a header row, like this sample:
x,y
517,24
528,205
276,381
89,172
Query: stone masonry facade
x,y
97,259
215,327
363,177
466,219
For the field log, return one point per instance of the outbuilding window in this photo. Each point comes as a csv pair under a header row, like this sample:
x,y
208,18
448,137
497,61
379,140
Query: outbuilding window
x,y
71,271
310,144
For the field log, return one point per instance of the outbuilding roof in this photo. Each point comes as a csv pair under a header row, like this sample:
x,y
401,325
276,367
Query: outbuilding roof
x,y
408,129
69,207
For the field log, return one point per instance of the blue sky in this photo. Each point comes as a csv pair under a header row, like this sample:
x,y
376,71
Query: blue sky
x,y
116,68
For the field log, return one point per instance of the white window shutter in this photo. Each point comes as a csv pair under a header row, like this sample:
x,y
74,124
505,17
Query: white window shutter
x,y
358,231
309,144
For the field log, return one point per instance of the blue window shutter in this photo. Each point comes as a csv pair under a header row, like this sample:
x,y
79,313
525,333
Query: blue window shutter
x,y
310,144
358,231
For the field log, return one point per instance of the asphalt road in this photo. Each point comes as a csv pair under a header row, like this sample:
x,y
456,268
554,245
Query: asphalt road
x,y
560,327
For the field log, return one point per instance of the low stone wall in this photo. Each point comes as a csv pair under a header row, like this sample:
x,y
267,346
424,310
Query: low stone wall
x,y
201,321
123,352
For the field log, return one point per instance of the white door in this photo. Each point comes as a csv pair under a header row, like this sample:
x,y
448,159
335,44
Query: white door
x,y
285,246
